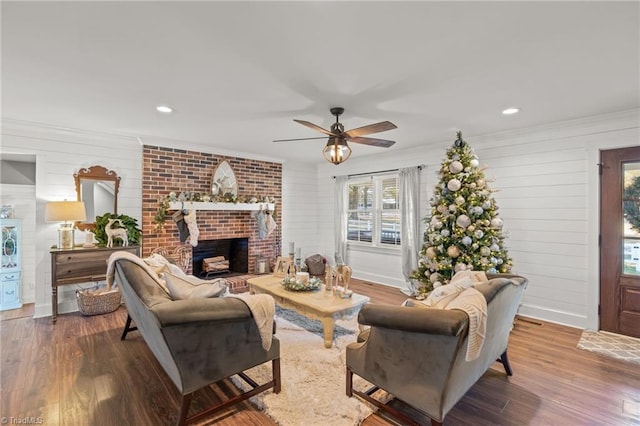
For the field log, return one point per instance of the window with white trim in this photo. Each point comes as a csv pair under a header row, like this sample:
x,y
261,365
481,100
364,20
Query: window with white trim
x,y
373,211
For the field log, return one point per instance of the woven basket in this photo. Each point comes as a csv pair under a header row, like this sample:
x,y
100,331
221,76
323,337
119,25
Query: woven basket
x,y
91,302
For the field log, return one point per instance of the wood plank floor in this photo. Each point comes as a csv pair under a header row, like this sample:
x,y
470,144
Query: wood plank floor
x,y
78,372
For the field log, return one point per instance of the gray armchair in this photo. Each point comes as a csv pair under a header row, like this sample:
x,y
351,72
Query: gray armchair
x,y
419,354
197,341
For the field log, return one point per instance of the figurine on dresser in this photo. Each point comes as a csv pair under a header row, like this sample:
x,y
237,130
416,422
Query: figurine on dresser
x,y
118,232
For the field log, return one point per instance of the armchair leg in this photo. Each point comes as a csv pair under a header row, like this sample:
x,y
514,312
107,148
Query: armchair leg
x,y
277,382
366,395
127,328
504,360
349,382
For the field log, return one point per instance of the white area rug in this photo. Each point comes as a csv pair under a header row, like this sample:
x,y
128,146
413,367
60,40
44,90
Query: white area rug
x,y
313,377
612,345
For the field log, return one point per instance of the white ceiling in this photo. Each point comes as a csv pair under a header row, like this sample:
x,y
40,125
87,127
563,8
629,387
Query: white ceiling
x,y
238,73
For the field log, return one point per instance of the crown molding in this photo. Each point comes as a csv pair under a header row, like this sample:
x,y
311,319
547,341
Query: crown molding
x,y
210,149
26,128
32,128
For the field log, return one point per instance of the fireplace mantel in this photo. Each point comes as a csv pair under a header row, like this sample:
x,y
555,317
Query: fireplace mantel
x,y
201,205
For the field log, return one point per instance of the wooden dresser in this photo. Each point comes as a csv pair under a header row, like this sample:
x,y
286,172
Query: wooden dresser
x,y
80,265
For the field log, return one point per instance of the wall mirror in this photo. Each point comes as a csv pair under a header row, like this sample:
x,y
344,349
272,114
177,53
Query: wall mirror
x,y
98,188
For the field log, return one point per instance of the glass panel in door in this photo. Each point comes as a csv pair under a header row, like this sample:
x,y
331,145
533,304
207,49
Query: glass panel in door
x,y
631,215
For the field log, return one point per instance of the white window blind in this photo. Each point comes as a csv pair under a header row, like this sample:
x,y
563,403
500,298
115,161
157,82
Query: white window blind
x,y
373,214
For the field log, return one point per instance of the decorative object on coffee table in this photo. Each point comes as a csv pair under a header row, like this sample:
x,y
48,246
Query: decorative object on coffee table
x,y
295,284
282,266
329,276
344,275
316,265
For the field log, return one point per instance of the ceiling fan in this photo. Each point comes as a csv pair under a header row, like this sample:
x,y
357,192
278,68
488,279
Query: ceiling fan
x,y
337,151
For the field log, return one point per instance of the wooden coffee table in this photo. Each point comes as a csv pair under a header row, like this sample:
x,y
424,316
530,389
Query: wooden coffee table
x,y
319,304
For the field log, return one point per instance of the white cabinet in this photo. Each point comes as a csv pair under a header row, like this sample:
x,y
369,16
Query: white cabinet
x,y
11,264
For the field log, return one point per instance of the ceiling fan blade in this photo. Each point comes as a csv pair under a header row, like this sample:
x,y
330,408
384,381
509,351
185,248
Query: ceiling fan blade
x,y
384,143
315,127
299,139
383,126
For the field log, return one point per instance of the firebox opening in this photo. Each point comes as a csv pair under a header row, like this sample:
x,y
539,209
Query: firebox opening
x,y
235,251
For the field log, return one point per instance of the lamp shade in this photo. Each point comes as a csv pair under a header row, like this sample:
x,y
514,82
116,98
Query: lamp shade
x,y
336,151
65,211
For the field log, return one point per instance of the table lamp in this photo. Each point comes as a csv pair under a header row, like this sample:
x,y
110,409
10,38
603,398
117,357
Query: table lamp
x,y
67,212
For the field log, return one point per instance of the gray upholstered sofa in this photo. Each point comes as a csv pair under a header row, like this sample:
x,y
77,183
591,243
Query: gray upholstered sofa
x,y
197,341
419,354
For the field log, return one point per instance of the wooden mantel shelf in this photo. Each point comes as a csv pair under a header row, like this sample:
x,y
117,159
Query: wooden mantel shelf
x,y
201,205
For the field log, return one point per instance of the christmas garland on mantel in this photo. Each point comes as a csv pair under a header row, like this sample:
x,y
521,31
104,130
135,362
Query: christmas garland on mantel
x,y
163,209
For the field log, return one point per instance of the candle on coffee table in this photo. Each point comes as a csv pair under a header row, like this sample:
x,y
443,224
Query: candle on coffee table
x,y
302,277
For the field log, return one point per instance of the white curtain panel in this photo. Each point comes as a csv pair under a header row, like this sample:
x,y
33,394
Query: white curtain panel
x,y
410,229
340,219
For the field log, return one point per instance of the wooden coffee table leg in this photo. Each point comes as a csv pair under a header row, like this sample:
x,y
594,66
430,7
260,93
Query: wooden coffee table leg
x,y
327,328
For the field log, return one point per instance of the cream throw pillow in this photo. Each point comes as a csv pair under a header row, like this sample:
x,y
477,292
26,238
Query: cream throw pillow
x,y
191,287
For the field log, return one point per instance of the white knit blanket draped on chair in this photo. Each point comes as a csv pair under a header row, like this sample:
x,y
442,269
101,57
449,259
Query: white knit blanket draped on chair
x,y
460,294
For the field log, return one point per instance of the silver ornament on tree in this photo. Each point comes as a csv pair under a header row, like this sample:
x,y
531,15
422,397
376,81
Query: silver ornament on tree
x,y
463,221
453,185
456,167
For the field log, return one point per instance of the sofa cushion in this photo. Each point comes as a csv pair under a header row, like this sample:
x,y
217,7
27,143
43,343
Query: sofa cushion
x,y
144,281
191,287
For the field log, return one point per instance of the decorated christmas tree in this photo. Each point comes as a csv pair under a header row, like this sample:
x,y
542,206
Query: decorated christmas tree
x,y
464,231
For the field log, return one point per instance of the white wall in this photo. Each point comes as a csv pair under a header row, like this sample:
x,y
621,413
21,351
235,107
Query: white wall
x,y
299,210
547,182
59,154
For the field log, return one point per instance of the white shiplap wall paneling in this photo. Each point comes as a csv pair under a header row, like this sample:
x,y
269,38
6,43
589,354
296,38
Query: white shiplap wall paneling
x,y
59,154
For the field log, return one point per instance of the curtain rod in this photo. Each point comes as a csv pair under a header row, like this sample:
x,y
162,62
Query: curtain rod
x,y
420,167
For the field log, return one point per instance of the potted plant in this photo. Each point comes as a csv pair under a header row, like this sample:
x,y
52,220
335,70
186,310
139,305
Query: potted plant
x,y
131,224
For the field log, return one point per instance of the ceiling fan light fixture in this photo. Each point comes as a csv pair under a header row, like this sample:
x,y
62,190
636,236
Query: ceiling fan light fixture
x,y
336,151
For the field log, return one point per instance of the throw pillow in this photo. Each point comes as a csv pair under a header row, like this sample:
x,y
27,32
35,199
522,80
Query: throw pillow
x,y
191,287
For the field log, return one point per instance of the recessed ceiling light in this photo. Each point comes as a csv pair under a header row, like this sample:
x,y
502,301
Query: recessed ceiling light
x,y
164,109
510,111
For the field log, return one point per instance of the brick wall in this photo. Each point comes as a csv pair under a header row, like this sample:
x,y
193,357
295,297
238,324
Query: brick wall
x,y
167,169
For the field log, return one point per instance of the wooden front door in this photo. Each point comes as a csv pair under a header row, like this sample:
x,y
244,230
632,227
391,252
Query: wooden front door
x,y
620,241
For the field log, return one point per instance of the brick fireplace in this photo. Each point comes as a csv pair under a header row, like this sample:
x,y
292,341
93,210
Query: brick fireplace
x,y
168,169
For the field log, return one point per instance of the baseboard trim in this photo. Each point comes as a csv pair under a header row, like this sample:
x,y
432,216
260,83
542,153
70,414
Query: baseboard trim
x,y
550,315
